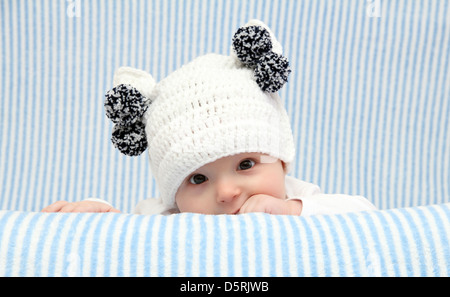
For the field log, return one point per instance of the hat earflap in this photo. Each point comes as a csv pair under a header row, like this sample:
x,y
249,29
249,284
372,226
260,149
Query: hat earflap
x,y
125,106
254,47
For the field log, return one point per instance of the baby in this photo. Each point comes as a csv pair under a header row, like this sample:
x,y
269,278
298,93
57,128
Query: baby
x,y
218,136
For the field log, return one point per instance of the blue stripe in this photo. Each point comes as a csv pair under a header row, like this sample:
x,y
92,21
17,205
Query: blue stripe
x,y
222,32
217,248
329,76
386,174
323,244
41,242
351,244
4,217
313,126
423,169
419,243
361,242
81,246
55,244
417,166
8,135
121,250
371,189
23,111
189,245
347,97
244,243
26,244
377,248
105,128
18,112
371,134
3,183
78,117
284,247
358,119
57,131
108,246
400,99
408,111
95,189
441,224
95,254
175,245
70,103
296,77
147,244
296,234
53,103
389,238
256,240
429,239
45,147
85,88
161,241
305,101
322,90
338,244
11,240
64,85
310,245
67,250
139,221
405,248
230,246
271,246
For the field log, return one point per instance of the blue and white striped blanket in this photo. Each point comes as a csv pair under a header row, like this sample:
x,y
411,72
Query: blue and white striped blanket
x,y
369,102
398,242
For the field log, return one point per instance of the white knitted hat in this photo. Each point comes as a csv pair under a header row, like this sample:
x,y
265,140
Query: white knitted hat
x,y
212,107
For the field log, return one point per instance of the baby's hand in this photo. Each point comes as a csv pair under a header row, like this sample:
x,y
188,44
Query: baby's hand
x,y
271,205
82,206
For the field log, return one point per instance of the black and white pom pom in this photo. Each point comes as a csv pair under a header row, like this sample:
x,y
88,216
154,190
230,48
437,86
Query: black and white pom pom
x,y
124,105
272,72
251,43
130,140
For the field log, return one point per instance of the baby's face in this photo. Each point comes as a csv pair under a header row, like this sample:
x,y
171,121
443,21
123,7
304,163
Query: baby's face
x,y
222,186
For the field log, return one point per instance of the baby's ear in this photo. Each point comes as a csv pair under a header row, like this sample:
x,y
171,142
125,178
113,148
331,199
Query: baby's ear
x,y
139,79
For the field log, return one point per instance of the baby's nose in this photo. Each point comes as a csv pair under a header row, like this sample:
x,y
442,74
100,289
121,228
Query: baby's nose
x,y
228,190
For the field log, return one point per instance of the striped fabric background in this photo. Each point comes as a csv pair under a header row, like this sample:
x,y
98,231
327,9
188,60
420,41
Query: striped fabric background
x,y
368,97
38,244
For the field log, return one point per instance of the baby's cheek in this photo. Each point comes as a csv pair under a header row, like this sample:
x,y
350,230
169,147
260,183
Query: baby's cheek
x,y
274,187
192,202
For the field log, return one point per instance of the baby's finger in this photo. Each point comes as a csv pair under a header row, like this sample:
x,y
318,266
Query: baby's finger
x,y
55,207
68,207
247,207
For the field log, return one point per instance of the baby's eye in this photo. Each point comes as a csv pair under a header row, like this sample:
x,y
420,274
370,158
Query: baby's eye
x,y
198,179
246,164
